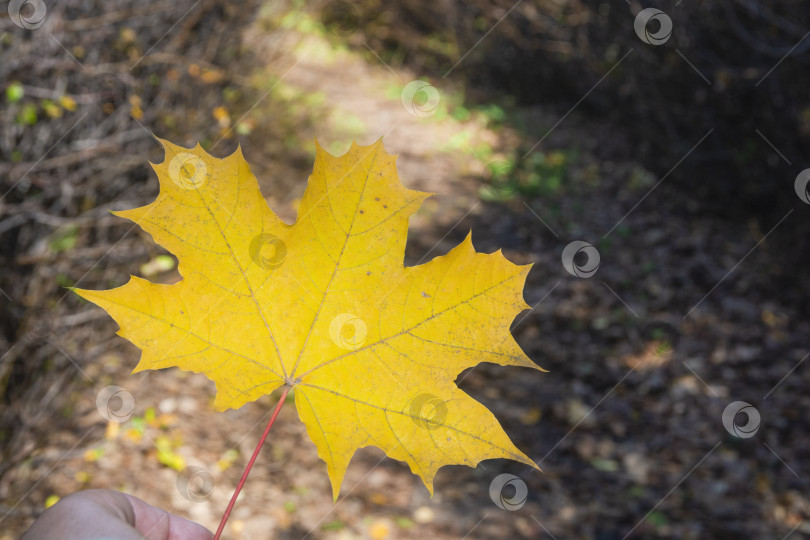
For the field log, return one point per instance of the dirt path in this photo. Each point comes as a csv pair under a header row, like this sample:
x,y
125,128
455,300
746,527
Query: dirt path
x,y
368,101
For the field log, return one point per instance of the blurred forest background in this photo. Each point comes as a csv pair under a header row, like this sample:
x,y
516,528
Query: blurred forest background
x,y
538,123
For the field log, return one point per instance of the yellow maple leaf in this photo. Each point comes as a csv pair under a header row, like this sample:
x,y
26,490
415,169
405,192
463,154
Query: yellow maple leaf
x,y
325,306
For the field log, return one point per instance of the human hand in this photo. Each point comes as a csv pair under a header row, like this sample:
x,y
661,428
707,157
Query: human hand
x,y
103,514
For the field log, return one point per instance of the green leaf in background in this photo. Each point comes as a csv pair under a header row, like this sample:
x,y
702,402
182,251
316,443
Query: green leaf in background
x,y
14,92
158,265
63,239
